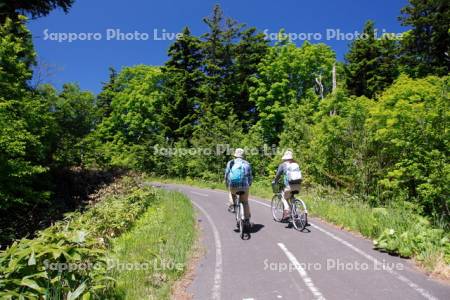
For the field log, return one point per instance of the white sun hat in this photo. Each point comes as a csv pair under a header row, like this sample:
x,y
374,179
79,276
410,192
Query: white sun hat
x,y
239,153
287,155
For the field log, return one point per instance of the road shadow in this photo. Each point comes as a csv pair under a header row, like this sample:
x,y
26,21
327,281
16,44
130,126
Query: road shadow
x,y
255,228
289,225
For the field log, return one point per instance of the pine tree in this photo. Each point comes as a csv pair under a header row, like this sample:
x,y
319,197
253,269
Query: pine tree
x,y
216,59
426,48
371,63
35,8
182,80
249,52
106,96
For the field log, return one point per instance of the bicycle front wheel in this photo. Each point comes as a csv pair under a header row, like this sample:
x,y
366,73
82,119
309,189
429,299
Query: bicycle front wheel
x,y
277,208
299,214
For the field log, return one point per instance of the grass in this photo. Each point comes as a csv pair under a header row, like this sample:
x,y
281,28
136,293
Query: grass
x,y
150,257
397,230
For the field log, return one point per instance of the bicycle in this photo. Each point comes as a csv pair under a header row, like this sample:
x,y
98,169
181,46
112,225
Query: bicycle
x,y
241,224
299,212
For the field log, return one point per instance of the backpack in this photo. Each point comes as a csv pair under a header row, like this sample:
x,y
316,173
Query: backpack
x,y
236,174
293,174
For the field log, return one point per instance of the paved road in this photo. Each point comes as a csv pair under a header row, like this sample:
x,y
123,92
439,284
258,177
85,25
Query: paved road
x,y
281,263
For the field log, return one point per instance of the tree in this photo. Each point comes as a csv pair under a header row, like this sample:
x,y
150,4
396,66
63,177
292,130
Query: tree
x,y
17,57
104,98
74,113
25,123
182,81
426,47
371,63
35,8
218,63
125,138
336,153
249,52
409,131
285,75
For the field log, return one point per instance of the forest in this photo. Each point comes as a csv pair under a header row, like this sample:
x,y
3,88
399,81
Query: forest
x,y
374,126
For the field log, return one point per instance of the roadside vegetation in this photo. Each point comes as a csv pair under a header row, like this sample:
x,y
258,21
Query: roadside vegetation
x,y
80,257
154,254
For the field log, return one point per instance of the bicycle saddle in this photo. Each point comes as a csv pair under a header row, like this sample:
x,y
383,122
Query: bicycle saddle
x,y
240,192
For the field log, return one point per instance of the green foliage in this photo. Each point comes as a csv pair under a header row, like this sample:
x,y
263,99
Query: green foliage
x,y
73,112
409,130
105,97
125,136
70,257
337,154
24,133
182,81
372,63
17,57
35,8
162,240
426,47
284,76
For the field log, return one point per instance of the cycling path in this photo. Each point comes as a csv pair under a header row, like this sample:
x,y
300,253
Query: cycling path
x,y
282,263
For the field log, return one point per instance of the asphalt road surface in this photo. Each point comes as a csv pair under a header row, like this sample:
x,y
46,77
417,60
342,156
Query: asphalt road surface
x,y
277,262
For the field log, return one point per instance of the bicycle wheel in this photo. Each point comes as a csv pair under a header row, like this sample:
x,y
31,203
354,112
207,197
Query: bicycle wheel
x,y
236,209
299,214
242,229
277,208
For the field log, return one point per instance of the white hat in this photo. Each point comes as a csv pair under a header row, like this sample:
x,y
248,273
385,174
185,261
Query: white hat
x,y
287,155
239,153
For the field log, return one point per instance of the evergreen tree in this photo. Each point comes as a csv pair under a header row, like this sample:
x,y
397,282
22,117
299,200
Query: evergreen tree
x,y
35,8
426,47
182,81
249,52
217,61
105,97
371,63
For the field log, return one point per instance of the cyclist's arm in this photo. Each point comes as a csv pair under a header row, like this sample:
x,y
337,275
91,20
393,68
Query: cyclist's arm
x,y
227,170
250,175
280,171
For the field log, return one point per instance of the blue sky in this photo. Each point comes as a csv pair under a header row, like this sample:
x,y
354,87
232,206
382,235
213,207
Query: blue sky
x,y
86,62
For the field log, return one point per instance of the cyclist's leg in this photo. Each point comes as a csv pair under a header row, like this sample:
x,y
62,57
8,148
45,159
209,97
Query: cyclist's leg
x,y
286,195
244,200
231,198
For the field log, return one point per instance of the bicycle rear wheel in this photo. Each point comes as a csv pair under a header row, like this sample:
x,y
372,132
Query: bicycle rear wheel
x,y
277,208
299,214
236,210
242,229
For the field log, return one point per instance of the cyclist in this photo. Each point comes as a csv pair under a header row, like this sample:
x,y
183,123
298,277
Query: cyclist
x,y
290,170
238,178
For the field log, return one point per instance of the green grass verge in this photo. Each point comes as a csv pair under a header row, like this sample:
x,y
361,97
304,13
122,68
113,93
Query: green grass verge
x,y
150,257
397,229
127,221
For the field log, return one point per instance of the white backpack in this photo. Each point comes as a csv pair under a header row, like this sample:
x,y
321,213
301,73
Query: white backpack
x,y
293,174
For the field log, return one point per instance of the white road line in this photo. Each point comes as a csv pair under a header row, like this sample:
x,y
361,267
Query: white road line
x,y
215,292
306,279
200,194
426,294
400,277
259,202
